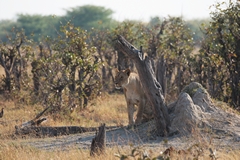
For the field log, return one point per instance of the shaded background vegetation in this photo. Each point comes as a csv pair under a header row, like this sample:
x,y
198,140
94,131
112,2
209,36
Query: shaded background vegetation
x,y
67,61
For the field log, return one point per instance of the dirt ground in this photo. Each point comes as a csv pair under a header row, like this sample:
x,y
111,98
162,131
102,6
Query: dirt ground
x,y
195,121
223,132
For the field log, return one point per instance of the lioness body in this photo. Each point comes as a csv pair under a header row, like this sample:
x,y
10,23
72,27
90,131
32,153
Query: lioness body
x,y
134,95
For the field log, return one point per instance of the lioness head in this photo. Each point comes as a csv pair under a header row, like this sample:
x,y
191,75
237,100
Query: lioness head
x,y
121,78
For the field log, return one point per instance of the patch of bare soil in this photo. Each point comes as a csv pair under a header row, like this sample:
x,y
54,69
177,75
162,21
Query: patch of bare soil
x,y
194,120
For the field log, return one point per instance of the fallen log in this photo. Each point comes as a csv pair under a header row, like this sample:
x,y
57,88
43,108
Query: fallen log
x,y
151,86
52,131
48,131
35,121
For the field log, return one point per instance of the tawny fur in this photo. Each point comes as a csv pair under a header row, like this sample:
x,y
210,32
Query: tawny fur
x,y
134,95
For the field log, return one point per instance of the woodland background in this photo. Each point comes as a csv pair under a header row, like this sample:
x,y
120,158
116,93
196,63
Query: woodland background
x,y
65,62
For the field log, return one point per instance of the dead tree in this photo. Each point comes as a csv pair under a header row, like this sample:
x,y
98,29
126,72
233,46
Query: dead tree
x,y
152,88
34,121
11,61
99,141
161,74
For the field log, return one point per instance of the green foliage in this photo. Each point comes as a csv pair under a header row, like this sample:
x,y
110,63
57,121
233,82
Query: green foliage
x,y
177,39
14,56
67,75
173,40
90,16
100,39
38,26
131,30
86,17
154,21
221,49
195,27
6,27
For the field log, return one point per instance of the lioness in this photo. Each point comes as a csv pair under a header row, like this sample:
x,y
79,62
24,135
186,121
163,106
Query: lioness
x,y
134,95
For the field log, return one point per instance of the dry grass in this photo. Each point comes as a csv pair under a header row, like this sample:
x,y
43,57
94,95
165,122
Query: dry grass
x,y
109,109
16,151
10,150
225,107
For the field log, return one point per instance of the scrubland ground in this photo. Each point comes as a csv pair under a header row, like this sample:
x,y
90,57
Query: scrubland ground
x,y
111,110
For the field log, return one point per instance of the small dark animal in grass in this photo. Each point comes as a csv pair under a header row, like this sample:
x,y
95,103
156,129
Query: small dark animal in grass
x,y
1,113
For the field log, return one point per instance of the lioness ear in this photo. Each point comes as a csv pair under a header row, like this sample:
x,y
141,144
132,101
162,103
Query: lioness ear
x,y
128,71
115,71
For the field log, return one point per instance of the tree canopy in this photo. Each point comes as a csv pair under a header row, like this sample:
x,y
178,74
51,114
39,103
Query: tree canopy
x,y
38,26
89,16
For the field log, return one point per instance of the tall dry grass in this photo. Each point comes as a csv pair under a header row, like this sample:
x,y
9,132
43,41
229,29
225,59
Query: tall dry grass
x,y
108,109
19,152
13,150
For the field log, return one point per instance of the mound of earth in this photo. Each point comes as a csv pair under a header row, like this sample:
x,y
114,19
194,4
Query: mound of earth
x,y
194,119
195,110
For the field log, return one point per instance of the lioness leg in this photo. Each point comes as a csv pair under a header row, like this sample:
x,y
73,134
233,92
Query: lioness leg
x,y
147,112
130,107
140,112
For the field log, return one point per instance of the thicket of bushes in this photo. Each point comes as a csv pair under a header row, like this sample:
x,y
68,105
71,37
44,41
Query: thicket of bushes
x,y
75,66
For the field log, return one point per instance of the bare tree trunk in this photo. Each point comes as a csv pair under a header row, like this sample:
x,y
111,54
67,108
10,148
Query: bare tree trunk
x,y
99,142
152,88
18,68
123,61
161,74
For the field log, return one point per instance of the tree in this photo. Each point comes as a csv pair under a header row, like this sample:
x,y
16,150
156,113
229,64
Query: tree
x,y
99,39
69,70
152,88
13,58
171,41
154,21
195,26
133,31
177,46
222,48
37,26
6,27
90,16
